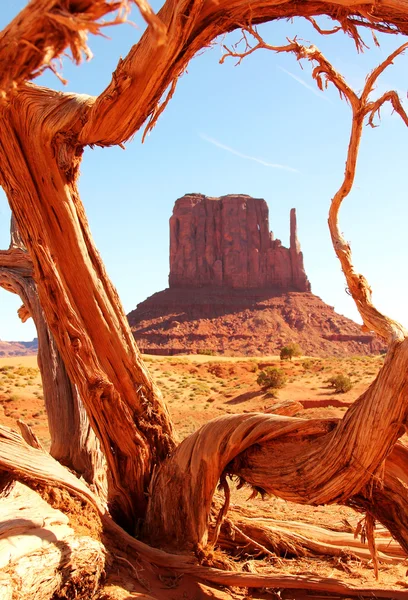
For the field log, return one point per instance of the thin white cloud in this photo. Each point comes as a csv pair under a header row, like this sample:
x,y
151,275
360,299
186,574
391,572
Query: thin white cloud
x,y
314,91
211,140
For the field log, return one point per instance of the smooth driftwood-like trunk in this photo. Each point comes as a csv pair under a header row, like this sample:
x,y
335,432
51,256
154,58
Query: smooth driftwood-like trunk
x,y
73,442
41,557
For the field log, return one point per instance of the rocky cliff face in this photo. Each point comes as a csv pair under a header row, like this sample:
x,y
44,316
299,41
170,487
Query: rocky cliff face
x,y
226,243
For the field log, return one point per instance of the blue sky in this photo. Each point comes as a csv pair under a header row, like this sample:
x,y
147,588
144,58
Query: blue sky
x,y
231,129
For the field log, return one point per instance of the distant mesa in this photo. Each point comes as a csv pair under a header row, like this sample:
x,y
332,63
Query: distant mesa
x,y
226,243
235,290
18,348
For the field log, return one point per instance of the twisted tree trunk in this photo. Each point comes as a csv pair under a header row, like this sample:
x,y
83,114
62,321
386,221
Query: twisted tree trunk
x,y
42,135
73,443
82,308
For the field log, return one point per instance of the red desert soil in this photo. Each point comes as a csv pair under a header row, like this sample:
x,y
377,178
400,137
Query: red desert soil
x,y
199,388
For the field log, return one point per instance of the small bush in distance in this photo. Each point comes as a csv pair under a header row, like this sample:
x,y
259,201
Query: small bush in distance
x,y
271,379
291,350
252,366
308,364
340,383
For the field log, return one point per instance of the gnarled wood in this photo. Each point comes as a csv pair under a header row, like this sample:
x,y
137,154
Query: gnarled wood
x,y
303,461
40,555
307,467
82,308
42,137
34,466
73,442
257,535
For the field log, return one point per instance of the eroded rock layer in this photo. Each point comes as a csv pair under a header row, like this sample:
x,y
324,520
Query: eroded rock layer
x,y
226,243
244,323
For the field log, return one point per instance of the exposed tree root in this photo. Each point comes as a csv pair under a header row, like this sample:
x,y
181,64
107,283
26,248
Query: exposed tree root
x,y
33,465
265,537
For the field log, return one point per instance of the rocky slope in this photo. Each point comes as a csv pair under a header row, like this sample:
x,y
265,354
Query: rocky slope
x,y
243,323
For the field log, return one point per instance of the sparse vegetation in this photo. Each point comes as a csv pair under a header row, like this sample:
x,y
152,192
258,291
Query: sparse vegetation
x,y
341,383
308,364
289,351
271,379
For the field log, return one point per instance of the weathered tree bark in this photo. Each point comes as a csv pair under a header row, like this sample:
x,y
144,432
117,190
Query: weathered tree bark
x,y
82,308
73,442
271,538
42,137
39,167
307,463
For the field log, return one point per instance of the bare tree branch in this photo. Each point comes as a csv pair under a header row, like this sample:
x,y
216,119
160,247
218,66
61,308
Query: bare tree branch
x,y
43,30
373,320
361,107
142,78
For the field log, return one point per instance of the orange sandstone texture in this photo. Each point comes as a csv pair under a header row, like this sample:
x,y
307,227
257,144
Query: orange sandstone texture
x,y
226,243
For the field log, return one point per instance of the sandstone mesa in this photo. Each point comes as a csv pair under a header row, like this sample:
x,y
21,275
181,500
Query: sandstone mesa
x,y
235,289
226,243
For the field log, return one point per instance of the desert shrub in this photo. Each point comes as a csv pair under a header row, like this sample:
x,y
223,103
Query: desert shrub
x,y
271,379
29,371
206,352
308,364
201,388
341,383
289,351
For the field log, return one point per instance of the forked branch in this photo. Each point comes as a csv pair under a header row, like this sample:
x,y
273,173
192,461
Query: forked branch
x,y
359,288
362,108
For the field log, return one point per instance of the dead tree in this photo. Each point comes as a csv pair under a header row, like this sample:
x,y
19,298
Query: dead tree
x,y
73,442
42,137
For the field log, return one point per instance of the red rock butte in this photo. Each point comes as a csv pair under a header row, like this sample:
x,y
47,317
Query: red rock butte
x,y
235,290
226,243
